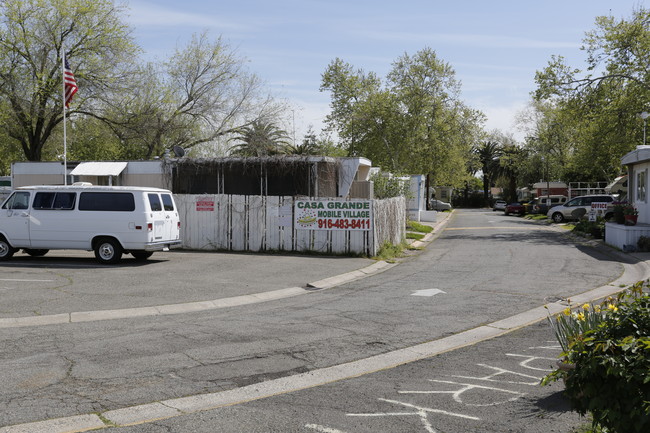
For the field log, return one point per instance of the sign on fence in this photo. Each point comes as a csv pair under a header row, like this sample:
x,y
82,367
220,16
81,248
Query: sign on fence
x,y
333,214
205,204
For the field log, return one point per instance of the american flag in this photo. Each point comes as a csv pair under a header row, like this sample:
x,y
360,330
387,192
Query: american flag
x,y
69,82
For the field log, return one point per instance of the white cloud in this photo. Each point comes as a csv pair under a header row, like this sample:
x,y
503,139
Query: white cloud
x,y
145,14
503,118
468,39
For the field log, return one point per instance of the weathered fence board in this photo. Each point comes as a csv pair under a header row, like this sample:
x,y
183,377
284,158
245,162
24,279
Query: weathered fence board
x,y
265,223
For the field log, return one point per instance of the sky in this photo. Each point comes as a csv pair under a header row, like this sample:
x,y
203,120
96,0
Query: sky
x,y
495,47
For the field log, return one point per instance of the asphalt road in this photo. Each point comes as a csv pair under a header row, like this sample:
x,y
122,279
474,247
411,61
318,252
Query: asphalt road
x,y
492,387
483,267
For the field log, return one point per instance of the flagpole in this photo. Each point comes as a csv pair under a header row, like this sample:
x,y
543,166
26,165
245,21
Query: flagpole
x,y
65,138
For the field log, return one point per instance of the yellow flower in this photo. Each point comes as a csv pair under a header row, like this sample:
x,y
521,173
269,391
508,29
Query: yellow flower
x,y
580,316
597,308
612,307
567,311
586,307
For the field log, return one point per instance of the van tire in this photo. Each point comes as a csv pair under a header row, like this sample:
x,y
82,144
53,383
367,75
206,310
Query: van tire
x,y
557,217
35,253
141,255
6,250
108,251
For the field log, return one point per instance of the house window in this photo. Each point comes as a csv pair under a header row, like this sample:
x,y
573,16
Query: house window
x,y
641,185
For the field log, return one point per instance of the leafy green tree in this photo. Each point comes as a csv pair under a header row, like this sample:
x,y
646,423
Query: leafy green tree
x,y
414,123
32,35
594,112
387,186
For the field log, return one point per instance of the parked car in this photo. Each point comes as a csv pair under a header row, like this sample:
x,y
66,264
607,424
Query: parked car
x,y
544,202
578,207
499,205
516,207
439,205
530,207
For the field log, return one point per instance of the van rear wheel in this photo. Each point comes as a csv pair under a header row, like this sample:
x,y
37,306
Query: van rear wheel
x,y
141,255
6,250
36,253
108,251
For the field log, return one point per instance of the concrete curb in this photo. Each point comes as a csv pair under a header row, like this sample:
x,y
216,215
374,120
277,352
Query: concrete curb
x,y
192,307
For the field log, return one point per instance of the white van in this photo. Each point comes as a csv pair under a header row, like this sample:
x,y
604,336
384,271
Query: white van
x,y
109,220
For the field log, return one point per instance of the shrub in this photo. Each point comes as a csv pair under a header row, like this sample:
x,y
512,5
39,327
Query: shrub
x,y
611,378
593,228
644,244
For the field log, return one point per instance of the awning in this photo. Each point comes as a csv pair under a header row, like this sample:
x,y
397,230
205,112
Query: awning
x,y
99,169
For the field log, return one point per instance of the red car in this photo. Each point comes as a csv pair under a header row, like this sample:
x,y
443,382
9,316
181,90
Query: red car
x,y
517,208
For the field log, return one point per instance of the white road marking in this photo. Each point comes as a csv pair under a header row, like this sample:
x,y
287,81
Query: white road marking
x,y
26,281
456,395
427,292
320,428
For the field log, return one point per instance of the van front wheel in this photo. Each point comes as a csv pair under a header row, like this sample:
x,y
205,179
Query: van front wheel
x,y
108,251
6,250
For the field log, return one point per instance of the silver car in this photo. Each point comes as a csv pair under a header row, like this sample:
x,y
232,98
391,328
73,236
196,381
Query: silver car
x,y
439,205
499,205
578,207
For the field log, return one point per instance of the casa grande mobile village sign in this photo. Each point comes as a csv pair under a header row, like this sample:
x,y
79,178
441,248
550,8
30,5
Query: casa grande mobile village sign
x,y
333,215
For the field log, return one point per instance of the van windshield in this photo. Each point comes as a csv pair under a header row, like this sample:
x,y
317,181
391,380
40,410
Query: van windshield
x,y
18,200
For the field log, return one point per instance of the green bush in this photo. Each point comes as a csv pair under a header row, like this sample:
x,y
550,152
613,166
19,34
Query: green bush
x,y
644,244
593,228
611,378
390,186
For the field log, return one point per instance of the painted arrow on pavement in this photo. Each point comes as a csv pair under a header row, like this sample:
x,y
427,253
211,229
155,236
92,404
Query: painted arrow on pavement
x,y
427,292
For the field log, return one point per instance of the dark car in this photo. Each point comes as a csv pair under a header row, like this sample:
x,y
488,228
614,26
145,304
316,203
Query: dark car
x,y
516,207
531,206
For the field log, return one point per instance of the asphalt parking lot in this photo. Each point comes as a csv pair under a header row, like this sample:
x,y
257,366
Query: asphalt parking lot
x,y
70,281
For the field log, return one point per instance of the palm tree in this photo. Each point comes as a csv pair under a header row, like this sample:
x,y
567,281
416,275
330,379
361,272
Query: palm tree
x,y
260,138
488,154
309,146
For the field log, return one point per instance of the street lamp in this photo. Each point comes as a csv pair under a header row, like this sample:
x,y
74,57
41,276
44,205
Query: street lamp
x,y
644,115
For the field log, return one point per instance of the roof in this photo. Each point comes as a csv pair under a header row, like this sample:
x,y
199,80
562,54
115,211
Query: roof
x,y
86,187
640,154
99,169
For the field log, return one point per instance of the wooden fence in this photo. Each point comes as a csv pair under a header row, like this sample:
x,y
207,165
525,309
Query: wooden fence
x,y
266,223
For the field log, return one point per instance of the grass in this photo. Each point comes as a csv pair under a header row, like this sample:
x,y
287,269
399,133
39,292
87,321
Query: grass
x,y
416,236
389,252
415,226
536,217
